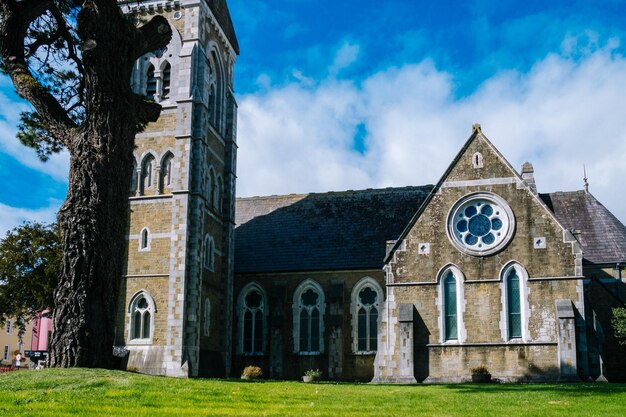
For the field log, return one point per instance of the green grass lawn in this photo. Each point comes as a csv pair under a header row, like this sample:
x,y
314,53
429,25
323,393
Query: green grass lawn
x,y
82,392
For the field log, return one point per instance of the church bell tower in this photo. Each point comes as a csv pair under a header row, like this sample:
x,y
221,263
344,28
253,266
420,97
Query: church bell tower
x,y
175,312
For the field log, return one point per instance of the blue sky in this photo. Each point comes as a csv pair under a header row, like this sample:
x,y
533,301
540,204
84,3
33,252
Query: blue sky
x,y
356,94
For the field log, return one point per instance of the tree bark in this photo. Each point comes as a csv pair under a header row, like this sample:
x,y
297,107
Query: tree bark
x,y
94,218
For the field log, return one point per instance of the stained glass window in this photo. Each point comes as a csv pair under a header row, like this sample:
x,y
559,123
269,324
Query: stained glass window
x,y
450,324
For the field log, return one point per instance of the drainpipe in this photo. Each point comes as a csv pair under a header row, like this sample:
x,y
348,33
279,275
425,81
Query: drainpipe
x,y
618,276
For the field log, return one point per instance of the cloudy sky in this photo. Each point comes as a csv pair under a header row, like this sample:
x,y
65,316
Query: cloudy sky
x,y
348,94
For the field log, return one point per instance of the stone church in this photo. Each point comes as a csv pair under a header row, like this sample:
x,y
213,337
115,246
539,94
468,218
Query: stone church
x,y
411,284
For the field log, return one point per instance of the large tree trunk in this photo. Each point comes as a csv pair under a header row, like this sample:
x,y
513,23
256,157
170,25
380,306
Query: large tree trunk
x,y
93,219
93,223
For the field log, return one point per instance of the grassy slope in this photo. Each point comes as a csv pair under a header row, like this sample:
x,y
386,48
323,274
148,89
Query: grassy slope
x,y
114,393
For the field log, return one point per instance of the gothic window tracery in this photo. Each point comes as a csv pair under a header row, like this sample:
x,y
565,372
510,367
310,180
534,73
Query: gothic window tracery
x,y
141,311
309,318
252,317
366,298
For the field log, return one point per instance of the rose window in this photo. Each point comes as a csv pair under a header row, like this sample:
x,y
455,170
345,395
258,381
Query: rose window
x,y
480,224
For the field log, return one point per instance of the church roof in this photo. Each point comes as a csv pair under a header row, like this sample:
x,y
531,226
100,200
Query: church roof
x,y
603,236
348,230
221,13
327,231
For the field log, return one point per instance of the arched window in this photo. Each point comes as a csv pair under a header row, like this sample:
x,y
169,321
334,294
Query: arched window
x,y
219,92
477,160
212,87
217,197
209,253
151,82
166,171
133,179
165,81
207,316
514,303
147,172
252,313
367,296
144,240
308,312
450,303
141,312
210,184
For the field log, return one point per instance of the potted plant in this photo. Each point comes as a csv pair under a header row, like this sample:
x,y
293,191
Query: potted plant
x,y
312,375
480,374
250,373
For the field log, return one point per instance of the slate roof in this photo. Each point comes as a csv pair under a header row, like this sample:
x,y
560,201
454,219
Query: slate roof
x,y
349,230
326,231
603,236
221,13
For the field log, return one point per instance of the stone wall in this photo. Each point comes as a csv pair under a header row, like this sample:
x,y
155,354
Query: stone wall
x,y
546,257
338,361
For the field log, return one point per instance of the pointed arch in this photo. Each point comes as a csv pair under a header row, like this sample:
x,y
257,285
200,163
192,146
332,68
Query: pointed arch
x,y
151,82
219,192
133,178
208,256
451,304
308,318
166,171
166,74
367,300
216,87
210,186
141,311
148,168
144,240
252,312
515,311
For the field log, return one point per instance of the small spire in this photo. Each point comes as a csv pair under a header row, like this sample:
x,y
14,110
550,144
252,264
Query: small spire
x,y
585,179
476,128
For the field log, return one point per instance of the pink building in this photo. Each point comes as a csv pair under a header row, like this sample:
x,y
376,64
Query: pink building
x,y
42,330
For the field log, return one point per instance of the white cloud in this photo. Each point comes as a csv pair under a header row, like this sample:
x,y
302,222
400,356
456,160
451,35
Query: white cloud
x,y
13,216
562,114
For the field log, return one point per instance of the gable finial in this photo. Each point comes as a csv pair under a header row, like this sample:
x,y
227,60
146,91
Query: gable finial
x,y
476,128
585,179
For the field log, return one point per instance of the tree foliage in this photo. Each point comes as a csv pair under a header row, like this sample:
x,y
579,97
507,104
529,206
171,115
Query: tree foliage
x,y
30,260
72,60
618,322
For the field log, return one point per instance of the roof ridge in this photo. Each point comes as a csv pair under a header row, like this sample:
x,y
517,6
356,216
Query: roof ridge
x,y
425,188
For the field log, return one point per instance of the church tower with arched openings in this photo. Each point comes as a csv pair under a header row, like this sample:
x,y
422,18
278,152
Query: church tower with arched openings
x,y
175,313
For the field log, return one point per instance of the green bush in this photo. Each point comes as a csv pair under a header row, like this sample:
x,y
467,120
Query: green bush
x,y
480,370
314,373
618,322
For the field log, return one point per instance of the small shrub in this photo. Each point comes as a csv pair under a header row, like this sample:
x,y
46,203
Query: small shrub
x,y
252,372
480,370
314,373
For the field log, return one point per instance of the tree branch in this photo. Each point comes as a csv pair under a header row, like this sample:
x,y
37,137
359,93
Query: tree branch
x,y
16,17
154,35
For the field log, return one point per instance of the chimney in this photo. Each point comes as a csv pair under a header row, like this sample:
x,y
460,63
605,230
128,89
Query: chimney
x,y
529,177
